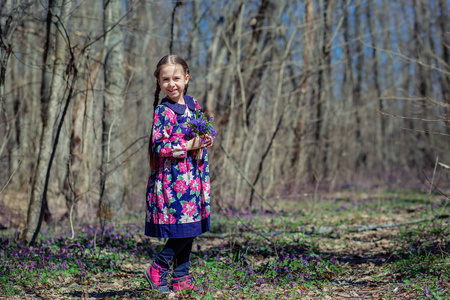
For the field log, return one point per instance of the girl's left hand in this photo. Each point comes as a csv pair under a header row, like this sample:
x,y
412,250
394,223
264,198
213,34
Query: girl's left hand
x,y
207,140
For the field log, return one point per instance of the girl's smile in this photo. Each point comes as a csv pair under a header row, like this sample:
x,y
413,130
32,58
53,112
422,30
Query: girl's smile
x,y
173,81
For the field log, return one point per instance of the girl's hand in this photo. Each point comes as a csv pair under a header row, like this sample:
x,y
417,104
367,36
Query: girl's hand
x,y
199,142
208,140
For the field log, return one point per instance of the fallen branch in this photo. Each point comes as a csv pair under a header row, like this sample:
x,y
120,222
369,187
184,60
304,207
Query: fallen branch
x,y
444,166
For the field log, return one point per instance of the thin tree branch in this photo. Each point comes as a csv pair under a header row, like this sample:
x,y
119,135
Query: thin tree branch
x,y
410,118
12,175
246,179
107,31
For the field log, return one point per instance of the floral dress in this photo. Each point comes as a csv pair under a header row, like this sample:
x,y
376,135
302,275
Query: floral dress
x,y
178,190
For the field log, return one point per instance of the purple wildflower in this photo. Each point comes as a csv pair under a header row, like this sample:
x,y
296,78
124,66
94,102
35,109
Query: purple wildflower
x,y
199,125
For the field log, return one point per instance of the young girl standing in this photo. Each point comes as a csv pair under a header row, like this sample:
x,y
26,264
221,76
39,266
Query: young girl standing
x,y
178,190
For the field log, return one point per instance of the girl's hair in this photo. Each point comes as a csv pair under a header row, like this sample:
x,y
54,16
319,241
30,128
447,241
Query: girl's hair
x,y
166,60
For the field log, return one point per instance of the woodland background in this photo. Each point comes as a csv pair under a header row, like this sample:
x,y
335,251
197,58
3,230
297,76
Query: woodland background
x,y
304,94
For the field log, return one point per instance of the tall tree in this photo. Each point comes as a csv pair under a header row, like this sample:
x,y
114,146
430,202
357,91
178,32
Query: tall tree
x,y
112,176
11,15
77,185
51,91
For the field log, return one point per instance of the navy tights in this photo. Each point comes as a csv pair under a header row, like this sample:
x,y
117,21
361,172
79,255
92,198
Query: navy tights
x,y
177,251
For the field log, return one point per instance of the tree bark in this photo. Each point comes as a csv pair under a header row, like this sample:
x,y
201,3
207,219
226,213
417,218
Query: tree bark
x,y
52,84
112,177
381,154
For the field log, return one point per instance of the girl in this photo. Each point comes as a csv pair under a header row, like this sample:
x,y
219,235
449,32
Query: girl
x,y
178,199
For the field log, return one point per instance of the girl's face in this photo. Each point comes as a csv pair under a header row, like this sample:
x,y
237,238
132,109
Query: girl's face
x,y
172,81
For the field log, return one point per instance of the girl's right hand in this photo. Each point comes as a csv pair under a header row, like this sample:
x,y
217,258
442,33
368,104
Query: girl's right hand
x,y
195,143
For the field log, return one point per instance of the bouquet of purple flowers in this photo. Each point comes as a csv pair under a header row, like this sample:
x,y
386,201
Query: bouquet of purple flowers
x,y
199,125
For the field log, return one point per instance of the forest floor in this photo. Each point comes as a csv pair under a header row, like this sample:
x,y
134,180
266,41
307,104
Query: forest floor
x,y
372,244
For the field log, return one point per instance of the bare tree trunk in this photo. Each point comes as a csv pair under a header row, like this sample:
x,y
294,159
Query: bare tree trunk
x,y
216,55
348,85
304,136
421,81
321,143
76,186
112,181
444,32
9,20
172,25
76,183
358,138
381,126
49,105
30,130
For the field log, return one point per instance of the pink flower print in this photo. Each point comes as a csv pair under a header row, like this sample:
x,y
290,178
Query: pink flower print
x,y
171,116
189,208
160,201
166,183
168,193
162,218
149,198
195,184
206,187
180,186
166,150
155,119
184,166
156,134
158,218
172,219
176,136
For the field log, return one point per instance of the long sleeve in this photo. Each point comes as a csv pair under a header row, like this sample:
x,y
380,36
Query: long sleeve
x,y
167,138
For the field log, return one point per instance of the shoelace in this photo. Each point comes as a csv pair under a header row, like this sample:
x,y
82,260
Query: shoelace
x,y
164,273
161,273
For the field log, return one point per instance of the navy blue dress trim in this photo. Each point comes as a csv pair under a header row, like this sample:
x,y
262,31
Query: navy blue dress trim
x,y
179,108
177,230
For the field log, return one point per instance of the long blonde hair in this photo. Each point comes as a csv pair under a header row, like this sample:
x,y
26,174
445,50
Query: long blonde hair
x,y
166,60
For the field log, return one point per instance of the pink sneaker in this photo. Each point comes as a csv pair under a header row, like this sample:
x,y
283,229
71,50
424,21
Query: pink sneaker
x,y
184,283
157,277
